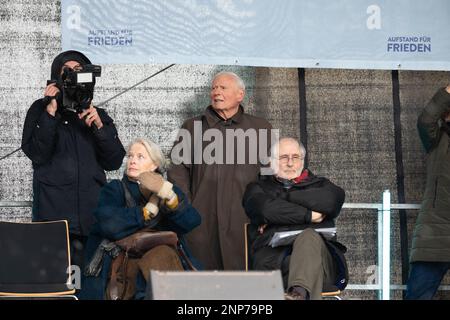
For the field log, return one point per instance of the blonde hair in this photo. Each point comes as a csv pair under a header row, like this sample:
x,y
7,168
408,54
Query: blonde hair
x,y
154,151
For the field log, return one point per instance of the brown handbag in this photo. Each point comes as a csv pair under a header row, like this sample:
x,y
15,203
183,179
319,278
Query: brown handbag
x,y
137,244
124,267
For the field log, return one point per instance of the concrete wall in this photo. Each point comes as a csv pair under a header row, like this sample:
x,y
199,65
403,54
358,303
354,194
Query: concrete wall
x,y
350,126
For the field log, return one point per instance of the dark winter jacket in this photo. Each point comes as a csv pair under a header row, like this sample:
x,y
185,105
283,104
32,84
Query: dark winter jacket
x,y
431,238
69,160
115,221
268,202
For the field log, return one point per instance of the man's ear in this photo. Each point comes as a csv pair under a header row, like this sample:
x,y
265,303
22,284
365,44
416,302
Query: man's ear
x,y
241,95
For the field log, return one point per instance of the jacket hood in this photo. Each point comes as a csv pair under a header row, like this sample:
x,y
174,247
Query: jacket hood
x,y
63,57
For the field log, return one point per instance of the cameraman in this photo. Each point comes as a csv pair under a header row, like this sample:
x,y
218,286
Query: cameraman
x,y
70,149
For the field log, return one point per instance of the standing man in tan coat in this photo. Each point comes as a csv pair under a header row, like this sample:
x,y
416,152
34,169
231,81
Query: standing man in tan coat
x,y
214,158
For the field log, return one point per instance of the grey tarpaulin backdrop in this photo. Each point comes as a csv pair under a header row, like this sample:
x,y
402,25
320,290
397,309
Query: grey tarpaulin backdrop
x,y
349,119
363,34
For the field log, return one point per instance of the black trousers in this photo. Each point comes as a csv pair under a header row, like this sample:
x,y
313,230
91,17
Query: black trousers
x,y
77,246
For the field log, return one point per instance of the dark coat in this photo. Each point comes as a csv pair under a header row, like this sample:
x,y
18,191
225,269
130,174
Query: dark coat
x,y
116,221
216,191
268,202
431,238
69,160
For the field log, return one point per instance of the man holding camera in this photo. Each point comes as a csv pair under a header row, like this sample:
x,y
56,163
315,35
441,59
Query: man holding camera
x,y
70,143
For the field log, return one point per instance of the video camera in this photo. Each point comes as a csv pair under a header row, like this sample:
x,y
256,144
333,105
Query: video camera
x,y
78,87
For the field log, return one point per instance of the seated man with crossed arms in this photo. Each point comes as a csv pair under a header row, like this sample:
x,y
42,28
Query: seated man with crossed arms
x,y
293,198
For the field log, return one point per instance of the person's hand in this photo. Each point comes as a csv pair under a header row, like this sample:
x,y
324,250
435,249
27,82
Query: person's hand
x,y
91,116
448,88
317,217
152,182
144,191
151,209
51,91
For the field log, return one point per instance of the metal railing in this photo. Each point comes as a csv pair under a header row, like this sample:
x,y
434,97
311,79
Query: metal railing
x,y
15,204
384,209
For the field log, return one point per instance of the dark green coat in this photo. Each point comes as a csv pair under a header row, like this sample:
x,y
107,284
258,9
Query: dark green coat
x,y
431,239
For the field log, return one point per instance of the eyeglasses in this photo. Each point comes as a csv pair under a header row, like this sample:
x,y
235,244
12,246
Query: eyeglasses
x,y
295,158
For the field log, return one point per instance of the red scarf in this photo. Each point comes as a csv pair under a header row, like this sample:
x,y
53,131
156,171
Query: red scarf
x,y
302,177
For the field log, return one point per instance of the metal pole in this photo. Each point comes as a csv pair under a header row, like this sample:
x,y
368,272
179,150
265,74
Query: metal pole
x,y
303,111
380,251
386,268
14,204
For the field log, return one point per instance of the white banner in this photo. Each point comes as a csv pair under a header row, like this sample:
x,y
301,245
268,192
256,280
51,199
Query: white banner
x,y
356,34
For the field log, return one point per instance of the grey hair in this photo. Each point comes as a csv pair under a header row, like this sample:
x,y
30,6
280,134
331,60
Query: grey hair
x,y
275,147
236,78
154,151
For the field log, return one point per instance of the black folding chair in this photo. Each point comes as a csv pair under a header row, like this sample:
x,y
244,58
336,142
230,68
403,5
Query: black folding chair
x,y
35,260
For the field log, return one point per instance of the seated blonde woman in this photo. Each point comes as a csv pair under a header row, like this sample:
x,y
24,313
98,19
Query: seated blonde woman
x,y
157,204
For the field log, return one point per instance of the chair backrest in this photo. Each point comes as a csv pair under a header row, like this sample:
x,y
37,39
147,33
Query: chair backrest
x,y
34,259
